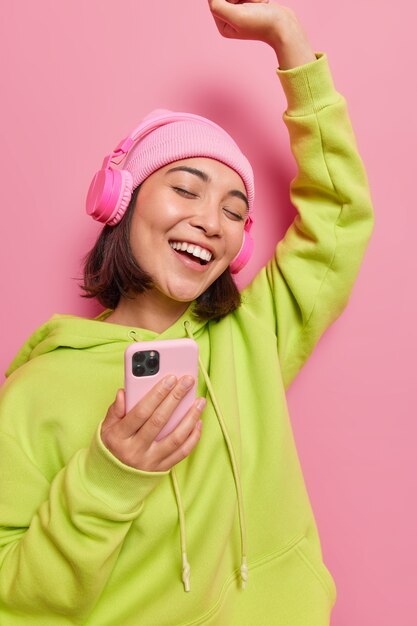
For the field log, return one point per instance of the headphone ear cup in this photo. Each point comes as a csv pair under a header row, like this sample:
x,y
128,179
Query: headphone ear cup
x,y
126,190
244,254
109,195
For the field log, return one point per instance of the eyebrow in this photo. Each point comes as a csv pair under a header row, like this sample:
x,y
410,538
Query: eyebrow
x,y
206,178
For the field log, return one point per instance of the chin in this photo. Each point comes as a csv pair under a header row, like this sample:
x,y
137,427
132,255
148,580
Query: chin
x,y
181,292
184,297
177,293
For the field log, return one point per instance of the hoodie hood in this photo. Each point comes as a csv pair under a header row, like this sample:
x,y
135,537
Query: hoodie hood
x,y
71,331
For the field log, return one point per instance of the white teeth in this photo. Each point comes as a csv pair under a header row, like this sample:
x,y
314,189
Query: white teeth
x,y
196,251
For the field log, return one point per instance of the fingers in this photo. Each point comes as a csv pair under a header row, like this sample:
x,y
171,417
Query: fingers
x,y
161,414
227,16
184,449
246,1
116,410
174,441
244,20
132,437
141,412
222,9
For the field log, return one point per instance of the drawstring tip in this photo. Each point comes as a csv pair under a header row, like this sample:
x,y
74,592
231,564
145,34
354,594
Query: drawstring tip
x,y
244,572
186,570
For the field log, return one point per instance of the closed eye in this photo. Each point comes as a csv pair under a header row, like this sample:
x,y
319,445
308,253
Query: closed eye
x,y
184,191
231,214
234,216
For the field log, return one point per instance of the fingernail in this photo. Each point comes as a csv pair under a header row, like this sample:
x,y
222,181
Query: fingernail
x,y
187,382
169,382
201,403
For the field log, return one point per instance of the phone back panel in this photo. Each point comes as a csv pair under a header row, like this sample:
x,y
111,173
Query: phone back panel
x,y
176,356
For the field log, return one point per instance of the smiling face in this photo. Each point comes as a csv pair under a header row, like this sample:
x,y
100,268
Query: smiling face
x,y
188,225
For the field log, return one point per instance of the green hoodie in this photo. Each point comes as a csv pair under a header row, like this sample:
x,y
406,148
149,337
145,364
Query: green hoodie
x,y
85,539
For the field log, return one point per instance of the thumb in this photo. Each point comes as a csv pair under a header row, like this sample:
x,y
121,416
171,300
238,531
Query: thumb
x,y
224,17
223,9
231,16
116,411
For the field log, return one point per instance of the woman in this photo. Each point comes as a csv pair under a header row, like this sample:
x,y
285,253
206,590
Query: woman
x,y
102,524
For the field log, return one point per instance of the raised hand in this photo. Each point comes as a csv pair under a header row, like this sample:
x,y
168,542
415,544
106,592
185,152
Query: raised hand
x,y
132,437
267,21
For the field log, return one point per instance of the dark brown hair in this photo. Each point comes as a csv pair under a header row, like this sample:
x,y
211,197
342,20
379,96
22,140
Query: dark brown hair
x,y
111,271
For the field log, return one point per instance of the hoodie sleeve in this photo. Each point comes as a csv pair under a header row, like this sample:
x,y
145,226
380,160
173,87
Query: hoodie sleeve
x,y
307,283
56,557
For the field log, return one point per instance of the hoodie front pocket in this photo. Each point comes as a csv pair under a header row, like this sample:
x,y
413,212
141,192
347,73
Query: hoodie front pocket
x,y
290,586
307,554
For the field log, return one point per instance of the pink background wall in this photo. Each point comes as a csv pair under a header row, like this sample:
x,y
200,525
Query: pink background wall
x,y
77,76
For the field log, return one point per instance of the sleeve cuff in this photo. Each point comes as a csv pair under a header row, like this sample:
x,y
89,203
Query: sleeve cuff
x,y
120,486
309,87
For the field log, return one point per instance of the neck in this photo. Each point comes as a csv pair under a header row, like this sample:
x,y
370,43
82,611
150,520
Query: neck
x,y
150,310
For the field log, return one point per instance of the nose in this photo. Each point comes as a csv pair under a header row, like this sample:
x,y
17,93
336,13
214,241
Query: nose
x,y
207,218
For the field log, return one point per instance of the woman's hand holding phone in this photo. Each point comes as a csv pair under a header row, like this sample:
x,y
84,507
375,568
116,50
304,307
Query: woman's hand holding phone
x,y
131,436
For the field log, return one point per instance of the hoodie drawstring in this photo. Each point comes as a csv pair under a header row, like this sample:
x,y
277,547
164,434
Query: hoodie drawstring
x,y
185,565
235,470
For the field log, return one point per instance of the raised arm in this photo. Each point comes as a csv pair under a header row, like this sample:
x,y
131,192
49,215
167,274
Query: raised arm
x,y
307,283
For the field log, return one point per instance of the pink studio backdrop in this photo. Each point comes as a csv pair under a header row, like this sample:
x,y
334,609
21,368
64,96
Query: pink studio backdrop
x,y
77,76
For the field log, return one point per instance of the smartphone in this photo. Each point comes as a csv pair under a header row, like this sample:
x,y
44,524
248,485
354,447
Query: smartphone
x,y
146,362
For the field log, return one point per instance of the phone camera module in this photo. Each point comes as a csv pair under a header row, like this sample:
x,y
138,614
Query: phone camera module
x,y
145,363
152,361
139,357
139,370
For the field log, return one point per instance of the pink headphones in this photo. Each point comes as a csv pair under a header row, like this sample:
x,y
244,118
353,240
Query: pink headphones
x,y
111,189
